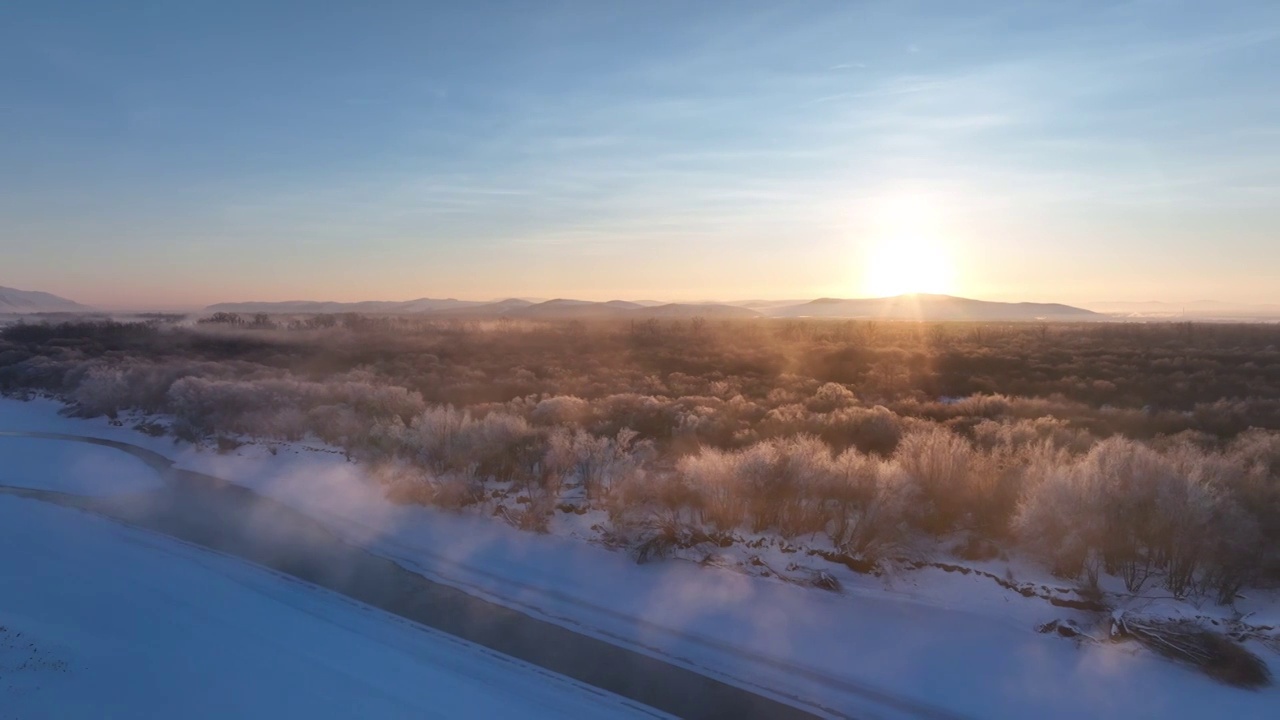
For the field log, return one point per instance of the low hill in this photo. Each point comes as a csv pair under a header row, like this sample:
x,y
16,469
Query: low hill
x,y
706,310
580,309
934,307
31,301
566,309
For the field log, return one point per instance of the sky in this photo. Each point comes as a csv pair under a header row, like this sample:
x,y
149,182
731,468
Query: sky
x,y
162,154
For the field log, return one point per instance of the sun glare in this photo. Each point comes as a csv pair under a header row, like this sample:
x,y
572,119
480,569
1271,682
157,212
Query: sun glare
x,y
907,265
905,258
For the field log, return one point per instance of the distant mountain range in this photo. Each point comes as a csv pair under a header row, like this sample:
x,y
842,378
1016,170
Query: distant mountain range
x,y
558,309
30,301
903,307
373,307
899,308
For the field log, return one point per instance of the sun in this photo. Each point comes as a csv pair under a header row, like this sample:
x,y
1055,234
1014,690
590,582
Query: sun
x,y
906,255
905,265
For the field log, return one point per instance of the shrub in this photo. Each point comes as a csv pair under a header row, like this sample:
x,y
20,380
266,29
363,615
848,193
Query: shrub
x,y
867,500
942,466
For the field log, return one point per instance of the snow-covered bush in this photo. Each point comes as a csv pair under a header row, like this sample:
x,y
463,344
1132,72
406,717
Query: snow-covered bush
x,y
1142,514
498,445
867,499
561,410
1058,517
711,475
942,465
102,391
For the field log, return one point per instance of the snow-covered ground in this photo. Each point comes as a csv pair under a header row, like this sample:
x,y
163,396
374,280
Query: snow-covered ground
x,y
101,620
883,646
76,469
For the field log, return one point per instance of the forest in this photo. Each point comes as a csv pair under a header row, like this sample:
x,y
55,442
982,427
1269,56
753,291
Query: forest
x,y
1145,451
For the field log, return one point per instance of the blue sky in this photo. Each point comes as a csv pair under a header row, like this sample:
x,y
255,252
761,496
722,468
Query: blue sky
x,y
185,153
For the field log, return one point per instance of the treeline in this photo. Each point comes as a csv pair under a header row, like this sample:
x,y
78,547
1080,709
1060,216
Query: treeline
x,y
1146,452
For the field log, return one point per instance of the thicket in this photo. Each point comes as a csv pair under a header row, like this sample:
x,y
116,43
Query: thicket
x,y
1148,452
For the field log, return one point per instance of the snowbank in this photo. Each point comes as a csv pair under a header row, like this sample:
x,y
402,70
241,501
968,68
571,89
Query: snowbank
x,y
100,620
